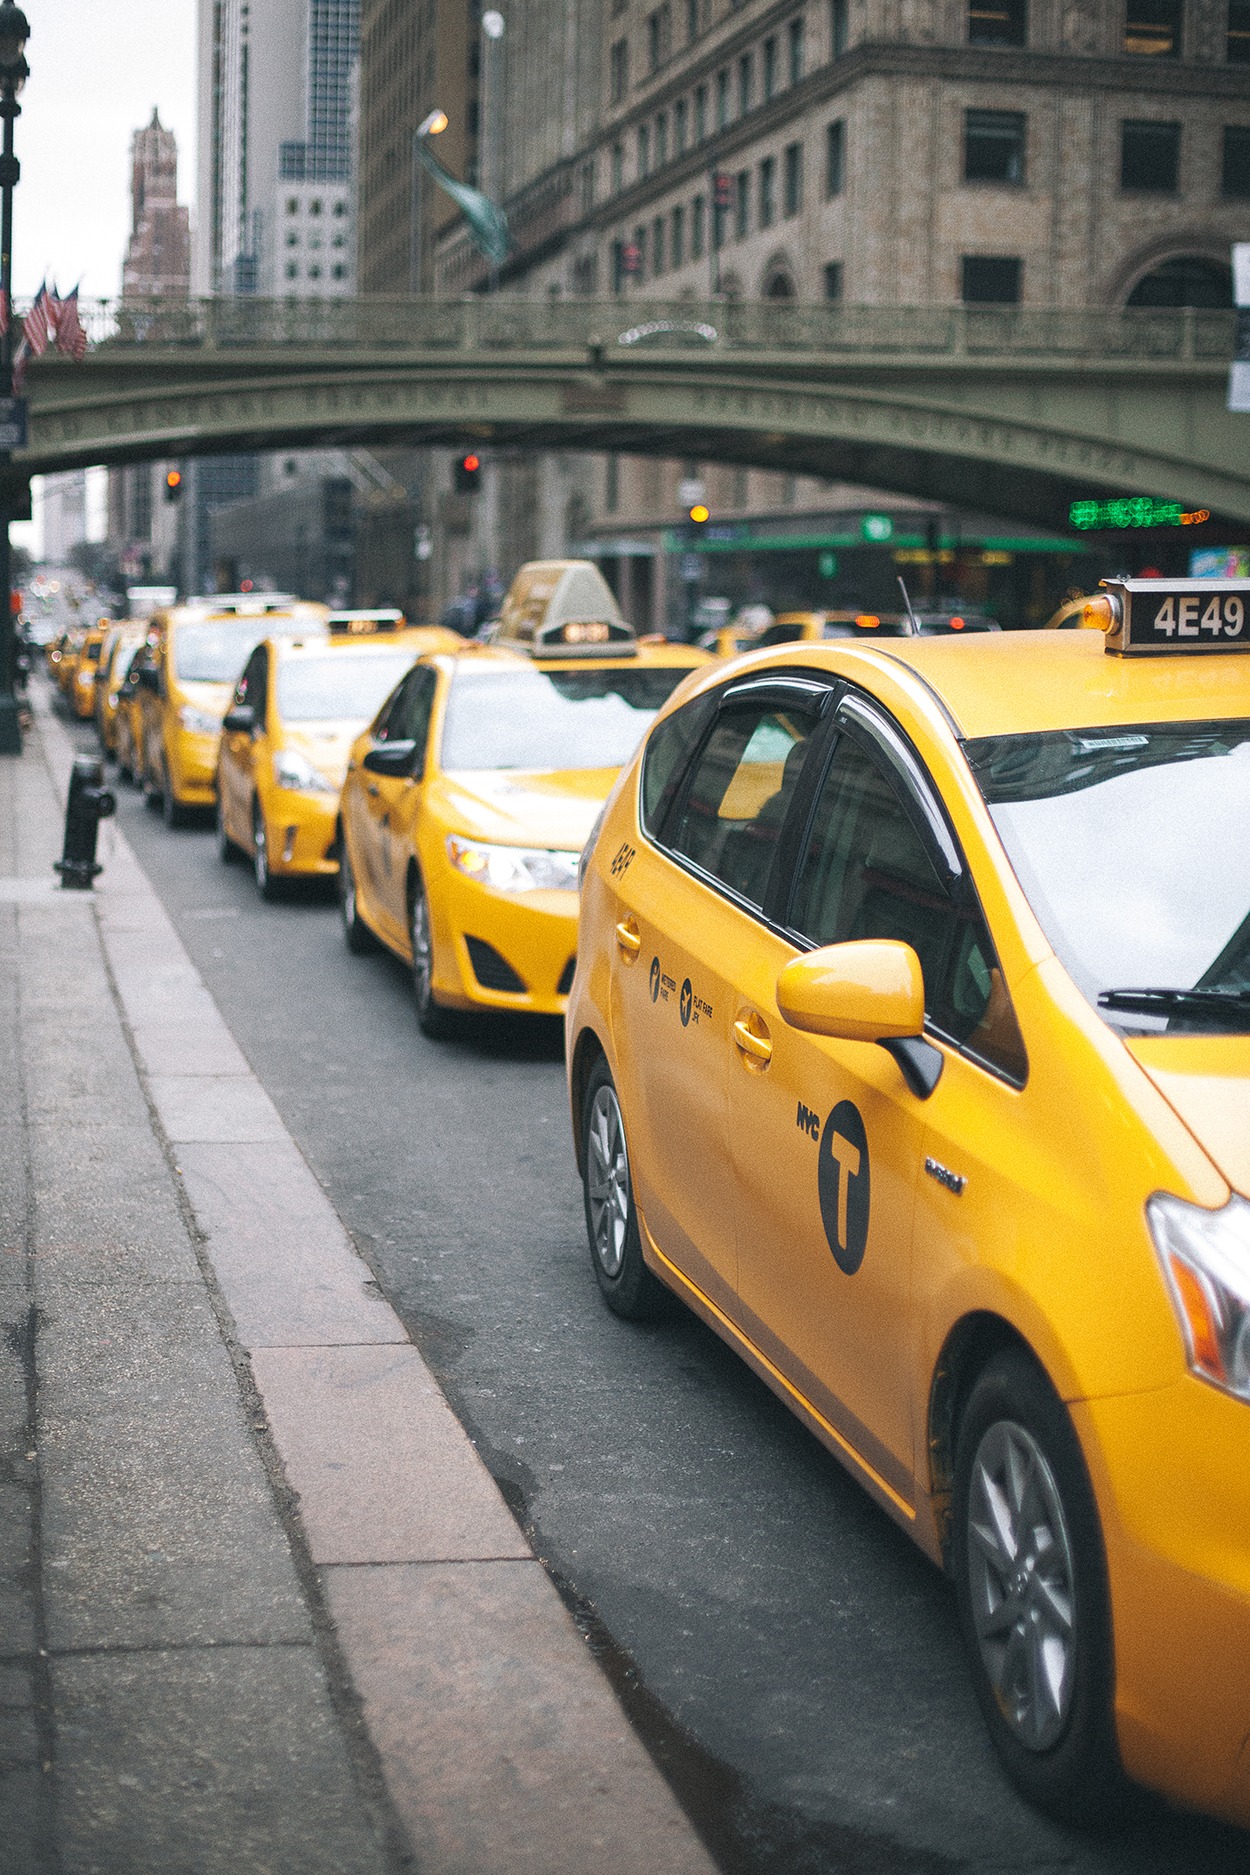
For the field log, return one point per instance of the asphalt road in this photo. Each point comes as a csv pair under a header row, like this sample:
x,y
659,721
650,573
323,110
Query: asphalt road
x,y
789,1657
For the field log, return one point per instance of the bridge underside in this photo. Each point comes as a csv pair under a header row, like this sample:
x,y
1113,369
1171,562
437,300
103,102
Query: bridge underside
x,y
1021,439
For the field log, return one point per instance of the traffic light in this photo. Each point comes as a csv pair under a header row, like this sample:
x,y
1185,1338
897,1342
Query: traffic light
x,y
173,484
700,516
468,474
722,190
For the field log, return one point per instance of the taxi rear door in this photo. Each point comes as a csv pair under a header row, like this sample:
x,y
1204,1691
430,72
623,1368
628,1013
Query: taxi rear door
x,y
684,914
381,807
828,1135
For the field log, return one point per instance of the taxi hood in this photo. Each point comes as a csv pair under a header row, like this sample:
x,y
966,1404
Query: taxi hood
x,y
527,807
1206,1080
327,746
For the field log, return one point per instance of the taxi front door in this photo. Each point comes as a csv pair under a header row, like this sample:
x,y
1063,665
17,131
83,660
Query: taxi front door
x,y
236,764
383,808
827,1135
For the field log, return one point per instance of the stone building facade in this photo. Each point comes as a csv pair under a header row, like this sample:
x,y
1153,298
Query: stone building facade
x,y
888,152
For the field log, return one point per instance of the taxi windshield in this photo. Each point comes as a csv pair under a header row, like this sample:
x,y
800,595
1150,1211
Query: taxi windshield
x,y
214,651
552,720
1133,847
338,687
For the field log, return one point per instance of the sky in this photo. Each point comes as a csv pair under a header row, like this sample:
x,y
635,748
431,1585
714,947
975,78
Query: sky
x,y
97,68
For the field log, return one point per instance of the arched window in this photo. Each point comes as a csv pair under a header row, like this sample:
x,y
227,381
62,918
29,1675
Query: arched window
x,y
1185,280
779,285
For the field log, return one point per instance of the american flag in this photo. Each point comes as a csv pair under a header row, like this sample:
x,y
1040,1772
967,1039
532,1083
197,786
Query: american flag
x,y
39,325
71,337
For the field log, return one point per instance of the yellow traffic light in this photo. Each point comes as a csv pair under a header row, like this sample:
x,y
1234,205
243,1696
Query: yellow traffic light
x,y
699,513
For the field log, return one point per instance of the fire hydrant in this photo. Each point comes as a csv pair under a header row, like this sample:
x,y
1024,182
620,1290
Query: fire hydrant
x,y
89,803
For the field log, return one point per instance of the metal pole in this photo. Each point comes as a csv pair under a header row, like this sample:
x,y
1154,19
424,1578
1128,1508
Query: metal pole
x,y
491,103
10,728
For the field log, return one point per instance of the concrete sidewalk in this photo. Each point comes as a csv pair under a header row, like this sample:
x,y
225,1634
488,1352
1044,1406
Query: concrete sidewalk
x,y
262,1608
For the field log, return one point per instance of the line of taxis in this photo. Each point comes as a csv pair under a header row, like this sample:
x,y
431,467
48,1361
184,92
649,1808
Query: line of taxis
x,y
906,983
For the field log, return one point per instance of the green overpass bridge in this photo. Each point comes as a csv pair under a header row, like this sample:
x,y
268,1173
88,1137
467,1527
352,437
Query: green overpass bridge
x,y
1012,411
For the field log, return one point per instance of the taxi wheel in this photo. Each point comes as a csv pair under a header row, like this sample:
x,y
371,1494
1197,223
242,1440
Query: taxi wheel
x,y
628,1287
227,851
356,933
1034,1605
432,1019
266,884
171,813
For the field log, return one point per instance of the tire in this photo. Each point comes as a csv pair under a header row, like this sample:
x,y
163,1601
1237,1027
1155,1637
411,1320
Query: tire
x,y
172,813
432,1019
357,936
1031,1579
266,884
227,851
628,1286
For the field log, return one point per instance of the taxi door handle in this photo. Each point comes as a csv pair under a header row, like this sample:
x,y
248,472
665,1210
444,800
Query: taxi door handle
x,y
754,1047
628,939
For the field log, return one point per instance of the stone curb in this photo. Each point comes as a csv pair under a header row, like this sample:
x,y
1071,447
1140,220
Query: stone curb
x,y
503,1748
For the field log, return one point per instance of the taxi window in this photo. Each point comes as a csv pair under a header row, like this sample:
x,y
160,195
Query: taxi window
x,y
867,873
552,720
669,747
1132,844
251,685
337,687
730,821
214,651
406,717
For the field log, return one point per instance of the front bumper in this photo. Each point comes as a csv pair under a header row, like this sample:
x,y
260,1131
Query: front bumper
x,y
193,768
1171,1472
302,834
482,937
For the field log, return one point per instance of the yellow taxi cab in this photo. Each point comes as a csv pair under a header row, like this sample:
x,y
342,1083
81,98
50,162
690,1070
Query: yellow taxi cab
x,y
909,1045
296,710
63,657
468,800
82,685
198,650
117,654
127,748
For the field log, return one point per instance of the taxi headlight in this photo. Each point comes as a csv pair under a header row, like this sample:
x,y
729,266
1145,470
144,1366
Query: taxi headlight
x,y
199,722
1206,1259
294,771
514,868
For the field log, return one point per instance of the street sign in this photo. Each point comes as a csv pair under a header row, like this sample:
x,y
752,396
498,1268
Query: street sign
x,y
12,423
877,527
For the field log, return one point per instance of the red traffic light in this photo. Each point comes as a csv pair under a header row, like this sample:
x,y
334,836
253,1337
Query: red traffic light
x,y
722,190
467,473
471,464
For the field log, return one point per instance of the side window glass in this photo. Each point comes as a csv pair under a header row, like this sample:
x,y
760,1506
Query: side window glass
x,y
251,685
732,816
866,873
668,749
387,725
412,722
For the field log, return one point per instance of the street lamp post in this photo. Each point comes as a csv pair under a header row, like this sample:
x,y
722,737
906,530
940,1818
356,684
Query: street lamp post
x,y
14,71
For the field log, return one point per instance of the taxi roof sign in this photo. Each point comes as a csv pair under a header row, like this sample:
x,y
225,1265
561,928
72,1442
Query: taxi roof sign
x,y
366,624
564,608
1149,617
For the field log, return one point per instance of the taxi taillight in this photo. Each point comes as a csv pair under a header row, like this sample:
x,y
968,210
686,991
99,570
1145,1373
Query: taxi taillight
x,y
867,621
1100,613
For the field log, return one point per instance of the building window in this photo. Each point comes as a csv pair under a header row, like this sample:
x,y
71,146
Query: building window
x,y
835,158
292,205
832,279
794,41
1153,27
640,252
661,140
659,34
340,208
991,280
612,484
768,192
314,272
292,271
742,204
618,168
998,23
340,273
793,187
744,84
292,239
1238,49
1185,280
722,98
618,71
770,68
681,125
692,20
657,246
700,113
644,149
1150,157
314,207
1235,175
698,227
838,10
677,237
994,146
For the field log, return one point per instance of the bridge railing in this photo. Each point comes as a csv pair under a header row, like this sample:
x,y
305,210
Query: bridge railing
x,y
617,328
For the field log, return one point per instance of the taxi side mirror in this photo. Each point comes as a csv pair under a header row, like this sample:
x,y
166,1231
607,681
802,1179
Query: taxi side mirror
x,y
391,758
871,990
239,719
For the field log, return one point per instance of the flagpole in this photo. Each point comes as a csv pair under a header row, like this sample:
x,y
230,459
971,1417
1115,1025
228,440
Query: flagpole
x,y
14,32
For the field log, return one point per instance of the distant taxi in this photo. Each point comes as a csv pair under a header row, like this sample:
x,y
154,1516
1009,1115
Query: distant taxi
x,y
909,1044
80,688
468,801
296,710
197,652
120,648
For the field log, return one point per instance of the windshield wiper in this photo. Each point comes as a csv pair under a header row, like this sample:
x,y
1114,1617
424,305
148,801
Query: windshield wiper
x,y
1223,1005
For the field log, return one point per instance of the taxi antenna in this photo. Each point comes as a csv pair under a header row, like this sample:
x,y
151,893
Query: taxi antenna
x,y
915,623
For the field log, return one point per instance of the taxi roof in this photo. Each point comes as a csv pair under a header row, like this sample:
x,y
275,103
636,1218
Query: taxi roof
x,y
508,657
1016,683
414,639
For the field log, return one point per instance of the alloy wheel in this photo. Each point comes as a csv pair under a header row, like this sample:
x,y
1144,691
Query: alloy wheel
x,y
607,1183
1022,1583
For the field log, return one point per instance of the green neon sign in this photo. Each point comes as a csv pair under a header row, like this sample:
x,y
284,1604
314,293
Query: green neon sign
x,y
1131,511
